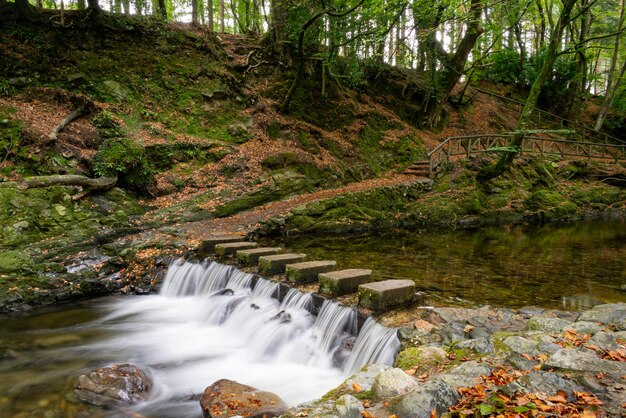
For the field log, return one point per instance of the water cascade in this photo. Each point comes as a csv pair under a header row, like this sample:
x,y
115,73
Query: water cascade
x,y
212,321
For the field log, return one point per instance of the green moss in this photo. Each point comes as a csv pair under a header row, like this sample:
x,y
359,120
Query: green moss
x,y
14,261
544,199
125,159
412,357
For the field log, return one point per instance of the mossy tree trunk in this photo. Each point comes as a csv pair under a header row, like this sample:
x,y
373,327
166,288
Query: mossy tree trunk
x,y
523,123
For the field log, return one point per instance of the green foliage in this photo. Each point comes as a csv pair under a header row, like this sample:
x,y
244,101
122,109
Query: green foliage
x,y
6,88
107,125
125,159
503,66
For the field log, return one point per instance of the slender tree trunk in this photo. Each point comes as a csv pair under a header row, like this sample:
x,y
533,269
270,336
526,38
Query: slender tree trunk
x,y
525,118
209,5
194,12
163,9
222,23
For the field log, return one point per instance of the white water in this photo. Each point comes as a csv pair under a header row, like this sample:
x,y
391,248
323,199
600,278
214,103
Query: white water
x,y
196,332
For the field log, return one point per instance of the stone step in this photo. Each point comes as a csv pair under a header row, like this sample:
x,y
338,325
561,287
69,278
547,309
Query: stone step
x,y
230,248
251,257
207,246
341,282
275,264
386,294
307,272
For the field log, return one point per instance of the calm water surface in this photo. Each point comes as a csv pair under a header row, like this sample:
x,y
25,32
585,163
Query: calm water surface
x,y
557,266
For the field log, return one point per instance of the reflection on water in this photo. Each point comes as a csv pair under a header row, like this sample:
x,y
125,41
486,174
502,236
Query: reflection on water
x,y
557,266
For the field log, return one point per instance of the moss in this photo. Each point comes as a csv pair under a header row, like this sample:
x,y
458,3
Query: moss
x,y
412,357
125,159
14,261
543,199
162,157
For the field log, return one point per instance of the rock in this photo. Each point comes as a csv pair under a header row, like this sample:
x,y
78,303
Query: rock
x,y
121,384
546,324
230,248
207,246
115,89
275,264
365,377
393,382
542,382
419,356
71,78
606,341
479,345
251,257
548,347
530,311
347,406
337,283
610,314
386,294
583,327
420,403
571,359
238,130
13,261
307,271
453,332
227,398
466,374
521,345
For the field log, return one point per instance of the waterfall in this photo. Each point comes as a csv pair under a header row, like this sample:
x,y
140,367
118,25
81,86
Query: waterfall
x,y
212,321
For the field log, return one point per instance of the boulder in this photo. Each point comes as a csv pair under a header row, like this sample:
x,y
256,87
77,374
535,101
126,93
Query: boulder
x,y
386,294
521,345
431,396
227,398
583,327
347,406
609,314
393,382
576,360
542,382
547,324
365,377
478,345
122,384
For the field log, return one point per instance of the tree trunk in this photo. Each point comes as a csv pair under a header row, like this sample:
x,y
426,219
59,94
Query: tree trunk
x,y
209,5
62,180
525,118
455,67
163,9
194,12
222,25
94,6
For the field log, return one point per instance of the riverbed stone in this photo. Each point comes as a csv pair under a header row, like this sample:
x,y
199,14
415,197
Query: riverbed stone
x,y
546,324
308,271
419,357
544,382
608,314
431,396
393,382
207,245
365,377
605,340
576,360
466,374
521,345
341,282
251,257
121,384
230,248
275,264
227,398
347,406
583,327
386,294
478,345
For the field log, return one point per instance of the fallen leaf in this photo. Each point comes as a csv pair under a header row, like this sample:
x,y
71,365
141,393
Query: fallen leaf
x,y
356,387
528,357
557,399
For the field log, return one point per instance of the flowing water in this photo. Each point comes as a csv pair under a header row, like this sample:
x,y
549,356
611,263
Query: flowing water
x,y
572,266
210,321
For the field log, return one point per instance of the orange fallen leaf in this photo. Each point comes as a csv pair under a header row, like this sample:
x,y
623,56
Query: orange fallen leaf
x,y
367,414
434,413
557,399
356,387
528,356
410,372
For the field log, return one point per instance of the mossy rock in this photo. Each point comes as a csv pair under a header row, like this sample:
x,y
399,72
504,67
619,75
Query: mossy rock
x,y
544,199
14,261
422,357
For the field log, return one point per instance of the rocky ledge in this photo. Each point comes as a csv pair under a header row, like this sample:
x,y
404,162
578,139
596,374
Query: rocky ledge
x,y
460,362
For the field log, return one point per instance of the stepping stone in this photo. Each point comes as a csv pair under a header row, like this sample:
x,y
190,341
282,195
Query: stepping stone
x,y
207,246
308,271
230,248
387,294
337,283
274,264
251,257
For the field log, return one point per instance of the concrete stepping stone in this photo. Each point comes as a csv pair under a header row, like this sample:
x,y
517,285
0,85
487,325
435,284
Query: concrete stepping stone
x,y
275,264
342,282
251,257
386,294
307,272
207,246
230,248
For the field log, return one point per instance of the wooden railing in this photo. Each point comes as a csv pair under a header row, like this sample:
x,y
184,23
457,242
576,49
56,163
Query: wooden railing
x,y
541,118
475,144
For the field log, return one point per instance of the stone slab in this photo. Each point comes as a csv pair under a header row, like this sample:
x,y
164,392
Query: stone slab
x,y
251,257
231,248
341,282
207,246
308,271
275,264
386,294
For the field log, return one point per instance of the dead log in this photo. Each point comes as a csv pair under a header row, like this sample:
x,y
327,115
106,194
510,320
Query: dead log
x,y
66,121
100,183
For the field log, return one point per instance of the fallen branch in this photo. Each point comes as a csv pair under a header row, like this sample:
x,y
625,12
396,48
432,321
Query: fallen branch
x,y
66,121
100,183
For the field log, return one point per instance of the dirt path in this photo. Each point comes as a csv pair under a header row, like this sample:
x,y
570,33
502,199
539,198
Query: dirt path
x,y
244,222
